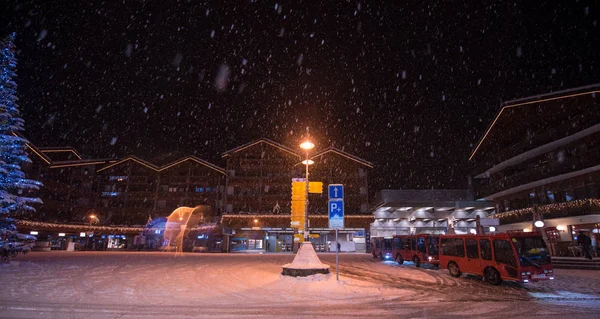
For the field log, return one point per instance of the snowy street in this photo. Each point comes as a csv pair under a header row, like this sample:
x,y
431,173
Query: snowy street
x,y
148,284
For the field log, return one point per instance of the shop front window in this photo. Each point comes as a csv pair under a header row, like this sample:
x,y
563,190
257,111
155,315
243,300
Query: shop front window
x,y
238,244
116,242
255,244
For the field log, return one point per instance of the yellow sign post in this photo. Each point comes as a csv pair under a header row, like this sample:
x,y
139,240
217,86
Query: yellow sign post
x,y
298,204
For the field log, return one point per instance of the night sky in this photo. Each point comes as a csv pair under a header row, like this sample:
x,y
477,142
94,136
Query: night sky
x,y
408,85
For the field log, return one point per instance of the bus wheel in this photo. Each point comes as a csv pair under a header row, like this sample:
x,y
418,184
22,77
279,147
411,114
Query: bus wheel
x,y
453,269
417,261
492,276
399,259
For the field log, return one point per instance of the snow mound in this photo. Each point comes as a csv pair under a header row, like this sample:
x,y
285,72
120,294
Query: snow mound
x,y
317,277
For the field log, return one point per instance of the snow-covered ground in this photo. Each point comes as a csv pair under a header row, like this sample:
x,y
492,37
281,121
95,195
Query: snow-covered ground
x,y
159,285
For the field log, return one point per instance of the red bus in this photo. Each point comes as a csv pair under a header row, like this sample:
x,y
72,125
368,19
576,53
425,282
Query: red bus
x,y
416,248
381,247
521,257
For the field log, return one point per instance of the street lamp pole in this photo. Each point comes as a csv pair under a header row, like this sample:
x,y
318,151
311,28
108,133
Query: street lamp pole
x,y
87,235
306,232
307,145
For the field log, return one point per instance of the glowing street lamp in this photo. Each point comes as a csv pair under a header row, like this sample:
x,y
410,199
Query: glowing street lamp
x,y
93,219
307,145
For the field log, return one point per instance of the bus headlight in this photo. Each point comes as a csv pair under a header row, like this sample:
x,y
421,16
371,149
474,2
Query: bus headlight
x,y
430,258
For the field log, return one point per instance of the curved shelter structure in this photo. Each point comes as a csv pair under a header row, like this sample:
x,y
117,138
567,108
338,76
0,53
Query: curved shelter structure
x,y
405,212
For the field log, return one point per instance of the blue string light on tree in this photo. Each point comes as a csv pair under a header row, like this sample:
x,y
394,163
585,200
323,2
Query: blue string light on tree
x,y
14,186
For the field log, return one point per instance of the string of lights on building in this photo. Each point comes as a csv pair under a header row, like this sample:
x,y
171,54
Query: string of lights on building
x,y
581,205
97,228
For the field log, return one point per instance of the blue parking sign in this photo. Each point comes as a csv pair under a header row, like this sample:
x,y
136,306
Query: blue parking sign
x,y
336,214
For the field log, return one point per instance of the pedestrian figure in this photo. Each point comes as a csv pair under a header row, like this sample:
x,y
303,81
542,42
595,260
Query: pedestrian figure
x,y
586,242
339,246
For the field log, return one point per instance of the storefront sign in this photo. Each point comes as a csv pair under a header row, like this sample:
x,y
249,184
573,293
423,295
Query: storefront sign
x,y
228,231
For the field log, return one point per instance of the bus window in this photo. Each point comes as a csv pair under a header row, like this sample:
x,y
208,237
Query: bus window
x,y
421,245
453,247
432,245
472,251
387,243
397,243
503,252
486,249
407,244
413,243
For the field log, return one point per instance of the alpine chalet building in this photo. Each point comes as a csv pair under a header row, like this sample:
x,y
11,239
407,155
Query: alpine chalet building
x,y
540,156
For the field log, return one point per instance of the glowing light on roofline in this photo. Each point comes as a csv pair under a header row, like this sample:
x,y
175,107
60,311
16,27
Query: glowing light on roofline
x,y
282,147
31,148
62,150
76,164
356,159
156,169
38,154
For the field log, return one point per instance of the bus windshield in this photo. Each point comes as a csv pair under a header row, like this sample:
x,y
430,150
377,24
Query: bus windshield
x,y
532,251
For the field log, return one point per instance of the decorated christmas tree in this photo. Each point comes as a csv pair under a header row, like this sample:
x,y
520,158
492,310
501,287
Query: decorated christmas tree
x,y
15,189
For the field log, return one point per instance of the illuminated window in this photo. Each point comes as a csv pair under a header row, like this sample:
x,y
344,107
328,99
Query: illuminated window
x,y
111,194
200,189
550,196
569,195
117,178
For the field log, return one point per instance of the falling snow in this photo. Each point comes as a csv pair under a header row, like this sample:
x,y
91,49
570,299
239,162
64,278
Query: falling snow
x,y
391,75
